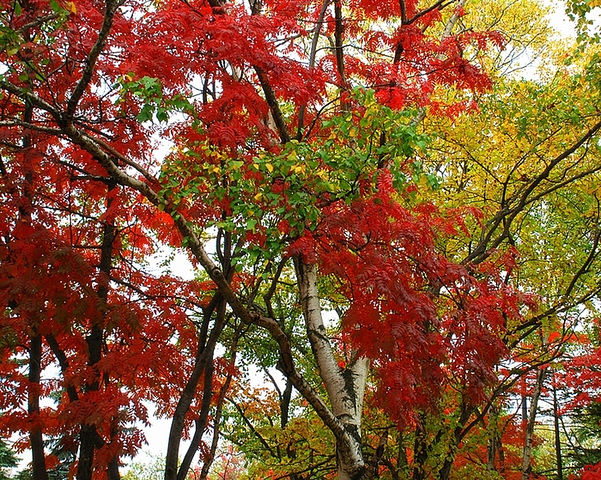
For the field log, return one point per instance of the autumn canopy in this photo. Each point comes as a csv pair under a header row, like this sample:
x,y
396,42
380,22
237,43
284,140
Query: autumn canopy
x,y
391,213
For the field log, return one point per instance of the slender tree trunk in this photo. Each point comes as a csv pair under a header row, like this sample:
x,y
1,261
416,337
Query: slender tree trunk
x,y
35,346
339,45
207,340
88,436
527,455
458,435
345,386
207,396
402,460
33,409
204,355
285,404
494,443
557,436
420,454
208,461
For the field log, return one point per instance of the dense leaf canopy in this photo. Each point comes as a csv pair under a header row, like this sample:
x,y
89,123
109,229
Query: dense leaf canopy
x,y
393,220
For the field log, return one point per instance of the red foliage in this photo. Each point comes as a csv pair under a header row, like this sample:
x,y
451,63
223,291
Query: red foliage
x,y
592,472
51,286
425,321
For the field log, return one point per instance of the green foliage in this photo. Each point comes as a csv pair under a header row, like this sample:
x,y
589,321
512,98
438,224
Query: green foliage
x,y
8,460
151,469
156,104
586,430
267,193
580,12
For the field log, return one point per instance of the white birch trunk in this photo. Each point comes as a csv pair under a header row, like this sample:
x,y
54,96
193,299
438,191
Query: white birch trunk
x,y
345,387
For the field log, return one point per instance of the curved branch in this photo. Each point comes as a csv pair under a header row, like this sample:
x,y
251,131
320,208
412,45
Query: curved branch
x,y
507,215
274,106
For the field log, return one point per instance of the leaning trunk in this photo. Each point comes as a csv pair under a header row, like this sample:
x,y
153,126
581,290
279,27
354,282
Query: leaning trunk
x,y
345,386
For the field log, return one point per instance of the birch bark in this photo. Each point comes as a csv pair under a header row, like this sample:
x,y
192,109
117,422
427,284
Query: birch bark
x,y
345,387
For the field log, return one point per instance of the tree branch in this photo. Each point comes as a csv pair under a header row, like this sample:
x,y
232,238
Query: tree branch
x,y
86,76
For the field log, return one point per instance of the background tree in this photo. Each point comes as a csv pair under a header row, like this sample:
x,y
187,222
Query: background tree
x,y
8,460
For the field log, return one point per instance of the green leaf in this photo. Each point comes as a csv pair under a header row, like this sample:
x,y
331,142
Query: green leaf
x,y
251,224
56,8
146,113
162,114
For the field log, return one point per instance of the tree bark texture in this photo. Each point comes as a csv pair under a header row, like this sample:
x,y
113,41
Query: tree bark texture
x,y
345,386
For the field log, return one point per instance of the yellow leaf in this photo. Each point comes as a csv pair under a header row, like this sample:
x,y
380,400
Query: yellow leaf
x,y
71,7
322,173
269,167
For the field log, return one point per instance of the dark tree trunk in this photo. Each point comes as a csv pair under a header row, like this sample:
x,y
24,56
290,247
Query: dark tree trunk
x,y
89,439
420,454
557,436
33,408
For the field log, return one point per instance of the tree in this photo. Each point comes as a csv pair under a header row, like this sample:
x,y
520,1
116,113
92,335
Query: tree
x,y
8,460
295,182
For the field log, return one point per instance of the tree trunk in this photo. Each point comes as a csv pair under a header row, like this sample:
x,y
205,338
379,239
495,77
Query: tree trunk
x,y
204,356
285,404
557,436
420,453
207,396
35,348
494,440
527,456
345,386
33,409
458,435
88,435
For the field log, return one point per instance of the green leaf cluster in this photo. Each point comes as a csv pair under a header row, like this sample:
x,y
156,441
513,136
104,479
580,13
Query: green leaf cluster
x,y
155,103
